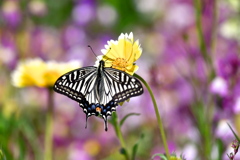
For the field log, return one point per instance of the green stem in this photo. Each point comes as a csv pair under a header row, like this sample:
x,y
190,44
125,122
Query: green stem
x,y
119,134
203,47
2,156
201,119
49,128
118,131
214,26
160,124
205,130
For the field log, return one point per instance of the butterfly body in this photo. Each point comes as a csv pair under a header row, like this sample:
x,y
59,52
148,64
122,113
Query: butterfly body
x,y
98,90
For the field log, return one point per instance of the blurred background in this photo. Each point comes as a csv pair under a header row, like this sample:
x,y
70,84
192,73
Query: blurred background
x,y
190,59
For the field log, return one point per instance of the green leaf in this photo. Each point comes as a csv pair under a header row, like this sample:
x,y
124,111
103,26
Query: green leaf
x,y
2,156
234,132
29,133
220,147
128,115
124,152
135,147
134,151
113,119
22,148
162,156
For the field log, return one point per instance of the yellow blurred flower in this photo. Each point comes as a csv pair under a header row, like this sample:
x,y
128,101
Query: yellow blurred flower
x,y
172,157
230,28
92,147
36,72
122,54
175,158
10,108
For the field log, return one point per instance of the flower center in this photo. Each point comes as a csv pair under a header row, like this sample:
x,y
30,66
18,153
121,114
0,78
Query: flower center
x,y
120,64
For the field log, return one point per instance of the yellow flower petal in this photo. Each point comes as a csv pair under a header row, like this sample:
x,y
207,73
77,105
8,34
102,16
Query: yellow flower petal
x,y
92,147
122,54
132,69
137,50
35,72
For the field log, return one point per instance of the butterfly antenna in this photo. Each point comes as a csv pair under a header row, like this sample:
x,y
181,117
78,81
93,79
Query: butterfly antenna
x,y
107,53
92,51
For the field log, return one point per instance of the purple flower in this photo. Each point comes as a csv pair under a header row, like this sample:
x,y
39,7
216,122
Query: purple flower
x,y
236,106
219,86
174,17
11,14
73,36
79,52
189,151
76,152
45,42
7,55
83,13
227,103
8,50
228,66
223,132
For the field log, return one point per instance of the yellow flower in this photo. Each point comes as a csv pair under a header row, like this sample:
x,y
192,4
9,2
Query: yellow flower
x,y
122,54
175,158
10,108
36,72
172,157
92,147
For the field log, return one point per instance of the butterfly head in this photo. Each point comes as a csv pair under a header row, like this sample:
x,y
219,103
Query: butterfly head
x,y
101,63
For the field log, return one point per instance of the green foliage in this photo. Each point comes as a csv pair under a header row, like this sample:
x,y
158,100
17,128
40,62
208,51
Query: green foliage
x,y
18,132
127,116
220,147
204,127
117,126
2,156
233,132
162,156
135,147
128,15
58,12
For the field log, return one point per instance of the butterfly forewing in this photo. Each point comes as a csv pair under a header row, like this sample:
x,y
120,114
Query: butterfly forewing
x,y
77,83
121,85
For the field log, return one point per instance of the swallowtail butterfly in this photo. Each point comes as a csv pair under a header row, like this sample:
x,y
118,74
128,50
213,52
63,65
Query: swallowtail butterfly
x,y
98,90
